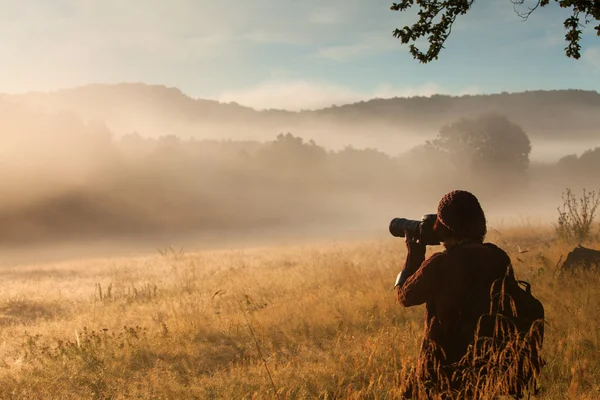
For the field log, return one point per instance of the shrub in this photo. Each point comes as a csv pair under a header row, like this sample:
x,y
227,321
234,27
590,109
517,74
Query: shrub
x,y
576,216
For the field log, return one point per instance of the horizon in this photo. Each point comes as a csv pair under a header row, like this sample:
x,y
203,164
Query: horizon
x,y
285,55
220,101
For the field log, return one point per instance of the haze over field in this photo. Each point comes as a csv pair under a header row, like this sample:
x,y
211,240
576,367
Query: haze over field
x,y
188,151
556,121
137,166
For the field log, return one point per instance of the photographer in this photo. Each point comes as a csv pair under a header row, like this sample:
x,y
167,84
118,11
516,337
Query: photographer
x,y
454,285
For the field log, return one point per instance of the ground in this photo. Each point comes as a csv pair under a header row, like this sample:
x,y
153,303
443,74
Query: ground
x,y
306,321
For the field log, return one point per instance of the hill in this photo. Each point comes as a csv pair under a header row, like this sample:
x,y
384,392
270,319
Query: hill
x,y
550,114
154,110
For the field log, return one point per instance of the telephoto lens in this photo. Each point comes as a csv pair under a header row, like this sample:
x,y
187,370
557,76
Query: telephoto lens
x,y
399,225
420,230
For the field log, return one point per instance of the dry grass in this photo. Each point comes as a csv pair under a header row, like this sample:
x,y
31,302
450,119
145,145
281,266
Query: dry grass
x,y
187,326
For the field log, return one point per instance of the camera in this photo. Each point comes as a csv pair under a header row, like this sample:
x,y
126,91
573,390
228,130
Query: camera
x,y
421,230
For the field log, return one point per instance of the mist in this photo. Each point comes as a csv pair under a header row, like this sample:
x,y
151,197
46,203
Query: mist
x,y
76,184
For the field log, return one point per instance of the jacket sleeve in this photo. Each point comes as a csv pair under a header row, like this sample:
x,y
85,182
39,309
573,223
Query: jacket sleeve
x,y
423,284
415,256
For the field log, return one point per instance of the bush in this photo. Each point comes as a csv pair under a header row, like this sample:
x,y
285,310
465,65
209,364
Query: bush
x,y
575,218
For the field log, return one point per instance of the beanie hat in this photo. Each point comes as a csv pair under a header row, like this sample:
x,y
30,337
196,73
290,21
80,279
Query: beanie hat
x,y
461,213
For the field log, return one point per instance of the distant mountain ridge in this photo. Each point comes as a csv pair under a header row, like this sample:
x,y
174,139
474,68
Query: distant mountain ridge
x,y
155,110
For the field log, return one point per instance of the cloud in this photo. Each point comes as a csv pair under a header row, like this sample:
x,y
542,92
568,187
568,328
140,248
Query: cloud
x,y
591,56
325,16
206,46
290,95
366,44
83,41
469,91
386,91
296,95
264,36
345,53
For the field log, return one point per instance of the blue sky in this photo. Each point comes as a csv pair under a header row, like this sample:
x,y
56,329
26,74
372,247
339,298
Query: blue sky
x,y
282,53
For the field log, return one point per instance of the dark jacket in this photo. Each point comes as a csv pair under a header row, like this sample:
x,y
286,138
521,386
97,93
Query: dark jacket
x,y
454,285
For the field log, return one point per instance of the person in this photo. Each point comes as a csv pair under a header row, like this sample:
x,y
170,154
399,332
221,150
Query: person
x,y
455,287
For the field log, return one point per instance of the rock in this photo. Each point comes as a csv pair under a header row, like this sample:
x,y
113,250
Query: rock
x,y
581,258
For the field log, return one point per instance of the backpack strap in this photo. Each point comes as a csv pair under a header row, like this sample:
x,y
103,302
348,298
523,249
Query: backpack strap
x,y
526,285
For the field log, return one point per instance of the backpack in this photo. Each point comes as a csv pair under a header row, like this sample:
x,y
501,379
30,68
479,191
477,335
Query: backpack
x,y
515,325
508,334
513,300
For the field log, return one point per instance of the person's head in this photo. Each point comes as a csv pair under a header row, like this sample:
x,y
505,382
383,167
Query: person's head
x,y
460,218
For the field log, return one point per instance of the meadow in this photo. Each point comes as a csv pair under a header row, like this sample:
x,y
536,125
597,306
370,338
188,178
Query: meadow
x,y
290,322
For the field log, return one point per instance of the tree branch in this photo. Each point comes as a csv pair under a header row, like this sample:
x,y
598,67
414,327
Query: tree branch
x,y
524,15
436,33
446,12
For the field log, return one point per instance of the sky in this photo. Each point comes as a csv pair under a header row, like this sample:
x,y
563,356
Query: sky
x,y
291,54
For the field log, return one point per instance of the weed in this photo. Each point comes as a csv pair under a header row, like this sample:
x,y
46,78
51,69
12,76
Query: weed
x,y
576,216
321,319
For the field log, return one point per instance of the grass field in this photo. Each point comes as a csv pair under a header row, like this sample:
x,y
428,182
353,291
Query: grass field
x,y
322,320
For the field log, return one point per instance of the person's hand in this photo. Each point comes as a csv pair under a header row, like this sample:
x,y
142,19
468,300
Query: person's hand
x,y
413,242
409,238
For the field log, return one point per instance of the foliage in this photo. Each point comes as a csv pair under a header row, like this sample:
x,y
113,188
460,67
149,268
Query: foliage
x,y
291,154
362,165
437,17
584,166
488,142
65,179
576,216
170,184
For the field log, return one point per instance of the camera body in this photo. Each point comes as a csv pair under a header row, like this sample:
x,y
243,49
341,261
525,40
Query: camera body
x,y
421,230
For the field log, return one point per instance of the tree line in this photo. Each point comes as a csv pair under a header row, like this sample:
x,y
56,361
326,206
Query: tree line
x,y
67,178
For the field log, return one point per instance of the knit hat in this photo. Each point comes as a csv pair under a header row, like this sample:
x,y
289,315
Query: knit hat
x,y
461,213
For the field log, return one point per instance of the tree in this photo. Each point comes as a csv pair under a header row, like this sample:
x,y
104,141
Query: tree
x,y
367,166
583,167
291,156
489,143
436,18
